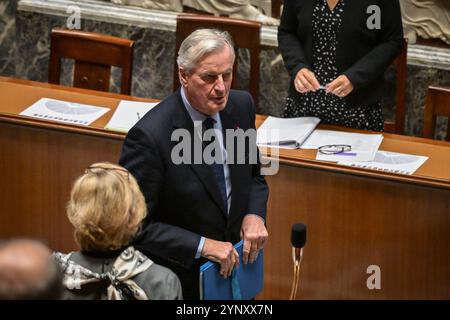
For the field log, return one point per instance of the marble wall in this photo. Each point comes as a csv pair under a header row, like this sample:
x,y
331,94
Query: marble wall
x,y
154,58
152,69
419,79
7,37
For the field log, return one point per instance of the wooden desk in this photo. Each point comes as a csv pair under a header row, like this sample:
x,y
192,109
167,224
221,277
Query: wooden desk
x,y
356,218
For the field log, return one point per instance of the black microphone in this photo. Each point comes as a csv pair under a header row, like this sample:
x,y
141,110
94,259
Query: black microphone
x,y
298,241
298,235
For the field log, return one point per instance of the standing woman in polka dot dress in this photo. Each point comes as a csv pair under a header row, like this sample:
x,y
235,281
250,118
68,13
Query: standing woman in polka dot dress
x,y
336,52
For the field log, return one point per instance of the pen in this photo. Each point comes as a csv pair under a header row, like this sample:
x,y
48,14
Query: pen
x,y
345,154
139,117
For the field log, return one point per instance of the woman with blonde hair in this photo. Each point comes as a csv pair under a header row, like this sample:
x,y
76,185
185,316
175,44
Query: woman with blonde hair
x,y
106,208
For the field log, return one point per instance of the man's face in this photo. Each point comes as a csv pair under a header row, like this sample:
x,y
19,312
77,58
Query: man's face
x,y
207,87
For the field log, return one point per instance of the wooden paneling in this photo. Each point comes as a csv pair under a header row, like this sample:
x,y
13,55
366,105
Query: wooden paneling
x,y
354,222
38,169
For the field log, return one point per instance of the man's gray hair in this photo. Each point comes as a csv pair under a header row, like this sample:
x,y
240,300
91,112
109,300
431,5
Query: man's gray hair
x,y
201,43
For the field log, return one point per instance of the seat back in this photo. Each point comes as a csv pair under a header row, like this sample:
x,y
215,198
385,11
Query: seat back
x,y
276,8
437,104
398,124
245,34
94,54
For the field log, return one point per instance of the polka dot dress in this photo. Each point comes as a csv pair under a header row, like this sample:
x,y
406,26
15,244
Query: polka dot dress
x,y
328,107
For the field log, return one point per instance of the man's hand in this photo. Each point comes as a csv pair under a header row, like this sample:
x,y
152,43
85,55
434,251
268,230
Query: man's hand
x,y
306,81
223,253
340,86
254,234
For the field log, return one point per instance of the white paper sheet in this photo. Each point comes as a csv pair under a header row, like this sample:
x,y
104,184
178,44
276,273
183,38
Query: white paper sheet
x,y
393,162
64,111
127,114
363,146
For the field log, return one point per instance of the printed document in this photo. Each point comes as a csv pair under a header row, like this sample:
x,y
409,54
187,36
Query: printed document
x,y
64,111
393,162
127,114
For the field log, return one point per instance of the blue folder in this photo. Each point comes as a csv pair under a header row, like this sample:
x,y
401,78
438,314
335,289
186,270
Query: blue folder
x,y
245,283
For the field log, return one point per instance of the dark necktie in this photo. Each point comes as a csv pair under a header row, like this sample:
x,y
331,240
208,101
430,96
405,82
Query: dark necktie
x,y
217,168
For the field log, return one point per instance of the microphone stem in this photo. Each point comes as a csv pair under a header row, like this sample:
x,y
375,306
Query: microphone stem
x,y
297,255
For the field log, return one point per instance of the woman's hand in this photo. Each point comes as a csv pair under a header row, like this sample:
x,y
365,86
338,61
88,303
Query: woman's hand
x,y
340,86
305,81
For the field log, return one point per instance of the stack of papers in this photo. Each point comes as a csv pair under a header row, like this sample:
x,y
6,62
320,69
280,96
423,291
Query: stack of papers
x,y
293,133
127,114
363,146
64,111
393,162
288,133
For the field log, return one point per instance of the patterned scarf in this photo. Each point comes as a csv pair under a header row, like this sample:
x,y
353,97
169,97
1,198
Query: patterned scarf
x,y
129,264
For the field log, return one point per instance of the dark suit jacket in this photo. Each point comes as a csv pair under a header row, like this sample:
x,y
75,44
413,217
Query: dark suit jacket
x,y
184,201
362,54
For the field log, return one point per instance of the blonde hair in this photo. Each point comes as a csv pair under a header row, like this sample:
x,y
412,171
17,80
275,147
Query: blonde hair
x,y
106,207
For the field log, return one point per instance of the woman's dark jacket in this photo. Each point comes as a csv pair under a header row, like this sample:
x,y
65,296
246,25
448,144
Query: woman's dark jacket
x,y
362,54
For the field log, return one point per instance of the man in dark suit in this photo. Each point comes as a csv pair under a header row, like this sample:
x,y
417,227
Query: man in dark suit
x,y
197,211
